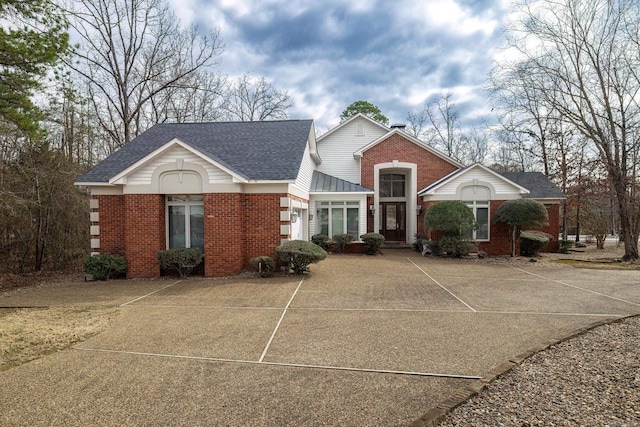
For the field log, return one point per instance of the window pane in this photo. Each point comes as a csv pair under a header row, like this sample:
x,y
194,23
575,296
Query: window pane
x,y
398,189
385,188
337,221
352,222
323,221
196,227
176,227
482,216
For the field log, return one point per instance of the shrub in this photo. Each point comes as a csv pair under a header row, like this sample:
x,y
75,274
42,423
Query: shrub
x,y
457,246
105,267
298,254
532,241
565,245
372,242
265,265
452,218
519,213
181,260
321,240
418,244
342,240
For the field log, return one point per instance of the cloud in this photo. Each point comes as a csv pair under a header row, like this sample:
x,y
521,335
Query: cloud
x,y
331,53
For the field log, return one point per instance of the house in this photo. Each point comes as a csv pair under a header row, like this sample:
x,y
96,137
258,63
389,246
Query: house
x,y
237,190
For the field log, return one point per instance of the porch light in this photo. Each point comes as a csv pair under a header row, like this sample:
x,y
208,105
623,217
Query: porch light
x,y
418,209
294,216
372,209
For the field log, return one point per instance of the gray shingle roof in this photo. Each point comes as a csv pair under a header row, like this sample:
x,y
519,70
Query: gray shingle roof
x,y
271,150
321,182
537,183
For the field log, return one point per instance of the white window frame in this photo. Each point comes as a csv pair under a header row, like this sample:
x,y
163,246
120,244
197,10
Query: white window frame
x,y
337,205
191,200
474,205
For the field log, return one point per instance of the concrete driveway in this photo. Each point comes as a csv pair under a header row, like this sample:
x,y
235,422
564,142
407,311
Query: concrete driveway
x,y
360,341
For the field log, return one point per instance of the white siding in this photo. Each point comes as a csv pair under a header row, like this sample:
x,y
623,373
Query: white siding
x,y
303,181
503,189
143,175
336,150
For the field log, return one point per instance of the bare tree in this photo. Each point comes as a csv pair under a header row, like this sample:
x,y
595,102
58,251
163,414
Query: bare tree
x,y
438,124
256,100
131,52
581,59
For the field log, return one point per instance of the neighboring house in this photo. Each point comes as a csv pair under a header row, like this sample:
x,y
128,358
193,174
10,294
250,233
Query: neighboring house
x,y
238,190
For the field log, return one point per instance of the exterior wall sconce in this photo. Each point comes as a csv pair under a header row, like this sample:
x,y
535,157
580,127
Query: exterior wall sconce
x,y
418,209
294,216
310,217
372,209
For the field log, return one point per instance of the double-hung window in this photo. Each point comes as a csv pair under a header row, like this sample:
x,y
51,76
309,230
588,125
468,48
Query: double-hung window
x,y
481,213
338,218
185,222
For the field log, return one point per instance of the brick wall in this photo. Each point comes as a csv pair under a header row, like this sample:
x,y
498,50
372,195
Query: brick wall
x,y
223,242
262,225
111,219
144,227
430,168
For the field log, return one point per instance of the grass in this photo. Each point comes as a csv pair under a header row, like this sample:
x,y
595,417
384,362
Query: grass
x,y
600,264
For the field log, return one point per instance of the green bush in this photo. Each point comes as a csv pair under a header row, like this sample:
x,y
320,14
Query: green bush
x,y
532,241
457,246
565,245
181,260
372,242
298,254
418,244
451,218
342,240
105,267
321,240
265,265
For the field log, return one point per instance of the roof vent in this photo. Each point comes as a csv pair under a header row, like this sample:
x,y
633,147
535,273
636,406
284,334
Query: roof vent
x,y
400,126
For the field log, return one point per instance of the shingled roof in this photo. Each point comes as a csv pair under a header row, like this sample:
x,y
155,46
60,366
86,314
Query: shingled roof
x,y
538,184
269,151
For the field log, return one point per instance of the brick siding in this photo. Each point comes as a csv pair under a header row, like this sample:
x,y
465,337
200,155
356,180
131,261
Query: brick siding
x,y
145,234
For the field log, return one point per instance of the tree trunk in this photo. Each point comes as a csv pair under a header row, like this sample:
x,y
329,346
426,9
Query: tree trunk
x,y
628,227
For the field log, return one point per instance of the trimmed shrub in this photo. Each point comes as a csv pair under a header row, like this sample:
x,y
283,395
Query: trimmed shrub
x,y
451,217
342,240
105,267
298,254
456,246
180,260
565,245
372,242
519,213
321,240
532,241
265,265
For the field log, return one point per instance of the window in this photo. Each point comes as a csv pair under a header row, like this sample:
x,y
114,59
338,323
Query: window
x,y
338,218
481,213
392,185
185,222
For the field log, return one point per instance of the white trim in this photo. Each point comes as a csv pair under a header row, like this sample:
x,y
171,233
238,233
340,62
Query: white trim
x,y
411,219
341,125
175,141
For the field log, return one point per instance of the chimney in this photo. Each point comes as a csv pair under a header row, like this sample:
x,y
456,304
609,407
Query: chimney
x,y
399,126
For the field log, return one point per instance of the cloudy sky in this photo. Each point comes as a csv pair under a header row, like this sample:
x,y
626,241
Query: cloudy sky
x,y
328,53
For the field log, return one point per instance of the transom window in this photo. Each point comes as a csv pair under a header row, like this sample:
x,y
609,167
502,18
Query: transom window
x,y
185,222
392,185
481,213
338,218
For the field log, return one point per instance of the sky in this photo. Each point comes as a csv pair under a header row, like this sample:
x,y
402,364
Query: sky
x,y
327,54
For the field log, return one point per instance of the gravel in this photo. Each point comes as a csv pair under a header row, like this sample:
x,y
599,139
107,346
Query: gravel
x,y
589,380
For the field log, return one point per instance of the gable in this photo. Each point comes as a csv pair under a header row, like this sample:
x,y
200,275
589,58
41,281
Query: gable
x,y
474,183
336,147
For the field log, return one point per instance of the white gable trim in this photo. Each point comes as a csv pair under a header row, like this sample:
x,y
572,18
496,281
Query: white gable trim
x,y
121,178
360,152
313,145
426,193
341,125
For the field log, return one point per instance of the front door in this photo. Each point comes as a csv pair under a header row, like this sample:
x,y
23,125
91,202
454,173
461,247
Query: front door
x,y
393,221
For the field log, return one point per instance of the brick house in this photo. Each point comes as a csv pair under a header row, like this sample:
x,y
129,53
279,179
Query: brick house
x,y
237,190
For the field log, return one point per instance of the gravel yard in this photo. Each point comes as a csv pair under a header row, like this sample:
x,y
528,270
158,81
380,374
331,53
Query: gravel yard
x,y
590,380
